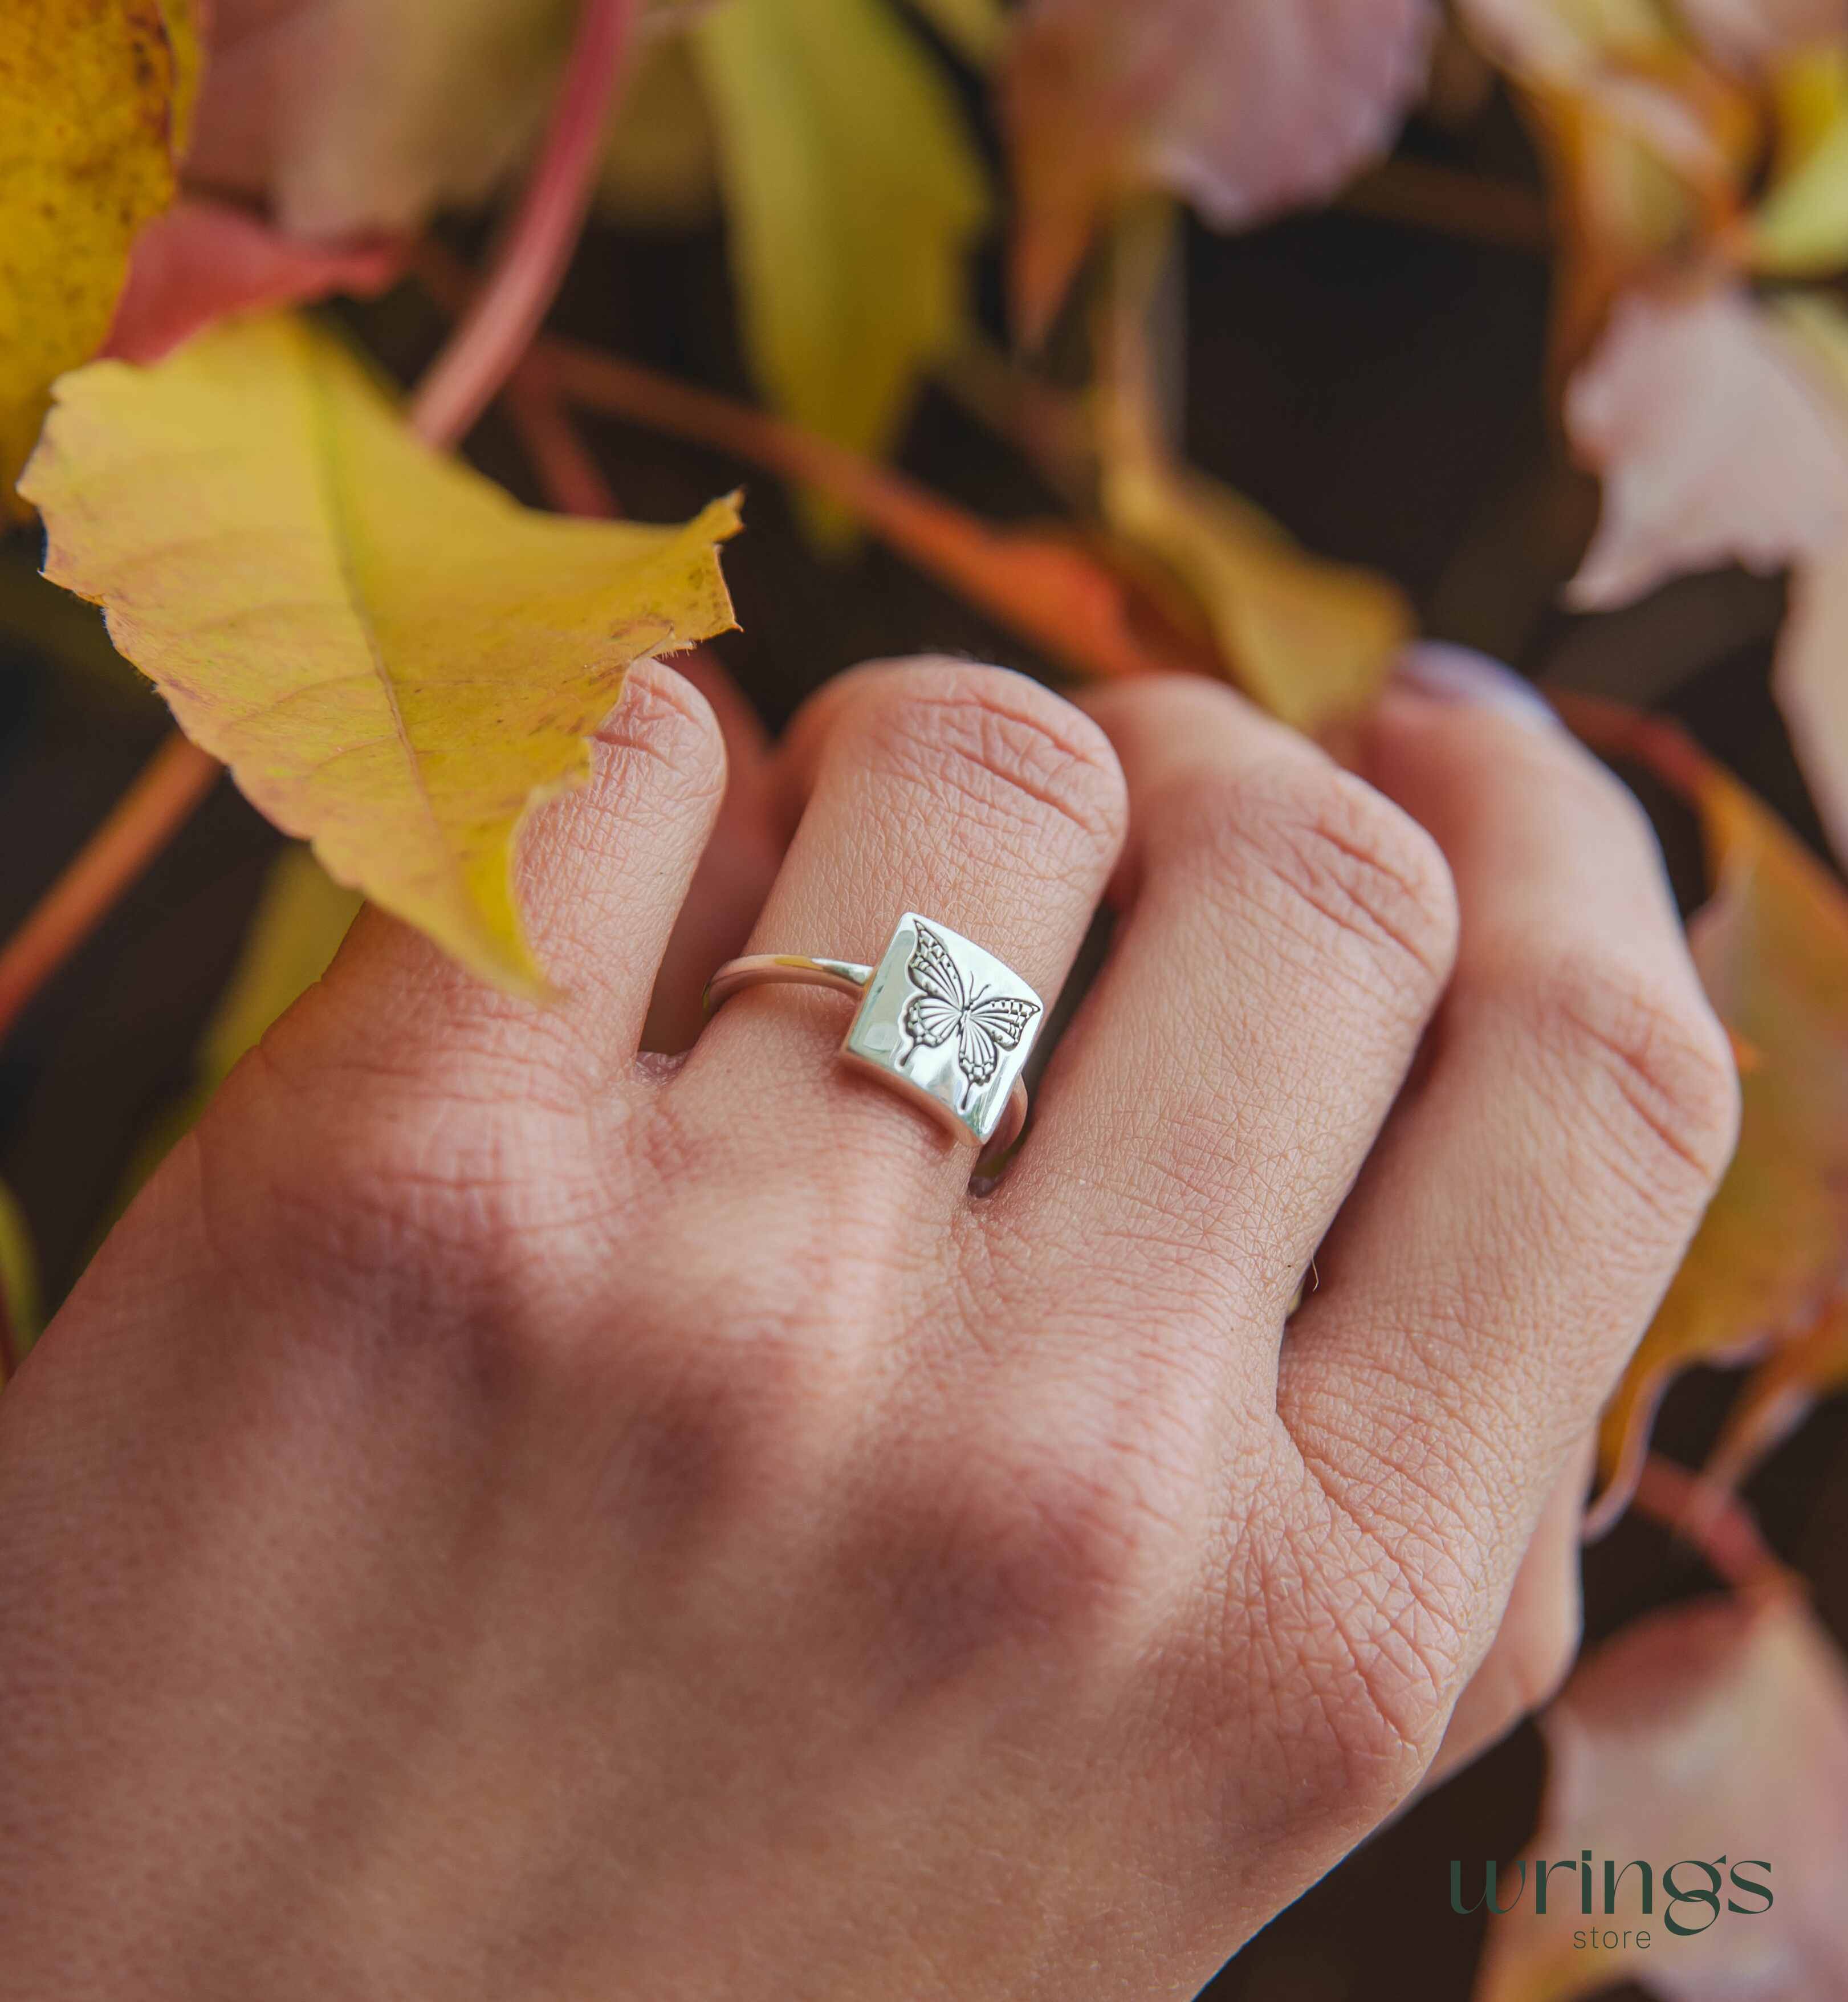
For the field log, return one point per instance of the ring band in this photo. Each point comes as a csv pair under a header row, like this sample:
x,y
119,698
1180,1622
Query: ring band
x,y
940,1020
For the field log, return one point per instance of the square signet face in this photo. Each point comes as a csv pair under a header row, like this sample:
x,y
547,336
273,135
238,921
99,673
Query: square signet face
x,y
947,1022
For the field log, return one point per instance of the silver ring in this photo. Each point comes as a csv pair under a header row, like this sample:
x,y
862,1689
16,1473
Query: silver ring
x,y
946,1024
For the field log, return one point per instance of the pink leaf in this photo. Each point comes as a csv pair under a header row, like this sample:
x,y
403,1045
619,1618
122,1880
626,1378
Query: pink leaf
x,y
1713,1730
349,116
1243,107
1717,443
203,259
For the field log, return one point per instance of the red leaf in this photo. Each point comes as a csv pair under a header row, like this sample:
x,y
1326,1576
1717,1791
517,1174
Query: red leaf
x,y
203,259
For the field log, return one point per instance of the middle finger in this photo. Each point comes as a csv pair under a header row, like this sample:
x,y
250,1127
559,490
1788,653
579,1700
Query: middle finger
x,y
1286,933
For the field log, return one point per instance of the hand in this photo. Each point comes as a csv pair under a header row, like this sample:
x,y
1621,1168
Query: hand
x,y
502,1520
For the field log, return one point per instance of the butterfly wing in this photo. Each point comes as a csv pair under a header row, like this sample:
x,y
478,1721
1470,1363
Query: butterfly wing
x,y
930,1021
932,968
989,1027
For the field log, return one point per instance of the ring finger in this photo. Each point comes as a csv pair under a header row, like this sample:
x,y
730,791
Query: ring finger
x,y
967,794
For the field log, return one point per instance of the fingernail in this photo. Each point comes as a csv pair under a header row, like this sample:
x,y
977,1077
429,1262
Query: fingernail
x,y
1444,673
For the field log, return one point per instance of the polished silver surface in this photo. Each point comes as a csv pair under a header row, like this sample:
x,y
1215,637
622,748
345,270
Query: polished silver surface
x,y
939,1020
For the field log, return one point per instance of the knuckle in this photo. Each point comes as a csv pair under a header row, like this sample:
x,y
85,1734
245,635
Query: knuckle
x,y
1349,875
1024,759
663,720
1645,1055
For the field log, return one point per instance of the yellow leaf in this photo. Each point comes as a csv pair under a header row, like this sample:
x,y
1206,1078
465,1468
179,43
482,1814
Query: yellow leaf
x,y
1809,93
1809,684
854,193
394,660
1778,1396
1800,228
1621,213
89,89
1772,946
1651,149
1310,640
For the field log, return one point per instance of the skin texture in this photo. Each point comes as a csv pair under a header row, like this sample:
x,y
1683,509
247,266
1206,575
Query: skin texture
x,y
501,1519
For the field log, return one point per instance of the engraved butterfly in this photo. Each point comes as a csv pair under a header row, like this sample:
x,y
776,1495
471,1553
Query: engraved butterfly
x,y
983,1025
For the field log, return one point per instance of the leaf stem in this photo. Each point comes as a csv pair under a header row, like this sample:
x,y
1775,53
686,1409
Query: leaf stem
x,y
1711,1520
1416,192
173,781
568,474
500,326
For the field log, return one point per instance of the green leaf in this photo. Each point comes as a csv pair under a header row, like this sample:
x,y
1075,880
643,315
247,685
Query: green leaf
x,y
395,660
20,1311
854,193
293,935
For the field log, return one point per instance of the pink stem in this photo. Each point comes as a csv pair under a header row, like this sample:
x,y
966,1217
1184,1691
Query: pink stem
x,y
568,476
1717,1524
500,326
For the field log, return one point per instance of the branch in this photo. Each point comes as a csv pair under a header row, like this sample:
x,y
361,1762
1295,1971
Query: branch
x,y
1423,195
144,819
568,474
499,327
1043,583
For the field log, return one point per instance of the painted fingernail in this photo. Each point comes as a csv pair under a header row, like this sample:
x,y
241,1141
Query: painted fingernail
x,y
1444,673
